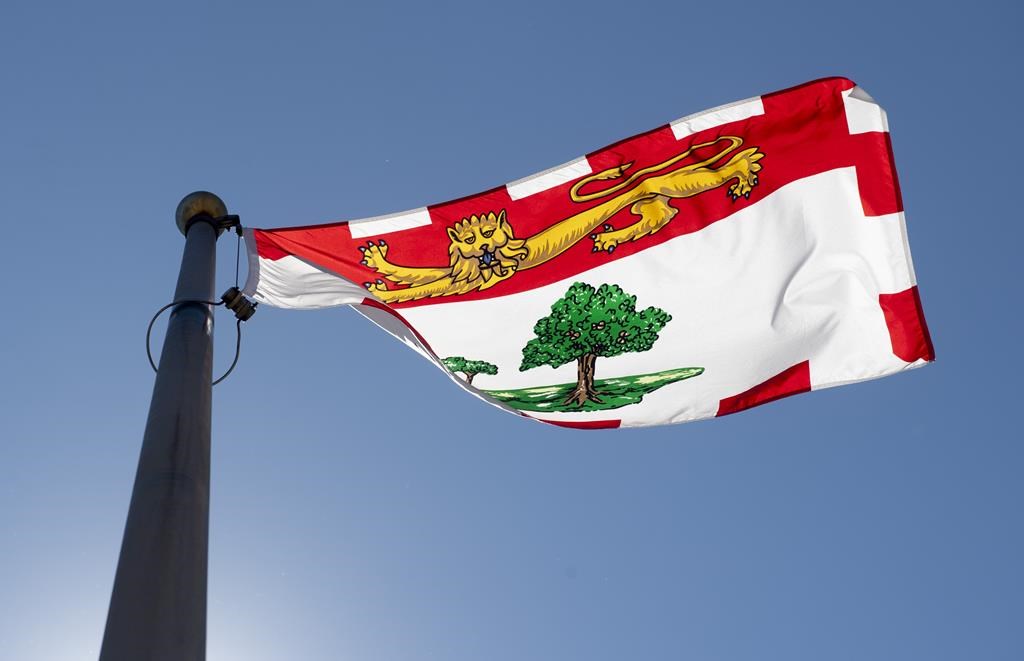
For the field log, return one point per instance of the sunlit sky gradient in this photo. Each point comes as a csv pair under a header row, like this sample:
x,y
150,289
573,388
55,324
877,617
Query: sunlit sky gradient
x,y
363,506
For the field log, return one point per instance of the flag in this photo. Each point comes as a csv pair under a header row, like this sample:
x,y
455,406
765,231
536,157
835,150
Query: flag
x,y
724,260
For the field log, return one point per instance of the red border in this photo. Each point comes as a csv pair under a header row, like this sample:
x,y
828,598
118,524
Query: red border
x,y
791,381
908,330
583,424
803,131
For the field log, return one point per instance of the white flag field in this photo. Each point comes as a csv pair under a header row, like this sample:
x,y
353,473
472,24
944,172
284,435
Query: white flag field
x,y
721,261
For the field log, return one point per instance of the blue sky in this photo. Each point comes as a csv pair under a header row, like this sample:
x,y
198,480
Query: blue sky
x,y
363,506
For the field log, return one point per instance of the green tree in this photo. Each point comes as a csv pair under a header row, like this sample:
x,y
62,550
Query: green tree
x,y
469,367
587,324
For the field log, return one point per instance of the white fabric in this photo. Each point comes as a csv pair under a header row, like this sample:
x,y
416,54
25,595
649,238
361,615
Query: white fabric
x,y
537,183
734,112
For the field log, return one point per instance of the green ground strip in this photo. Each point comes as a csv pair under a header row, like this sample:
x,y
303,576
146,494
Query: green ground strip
x,y
614,393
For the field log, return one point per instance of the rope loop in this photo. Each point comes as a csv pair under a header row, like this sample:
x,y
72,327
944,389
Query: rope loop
x,y
238,334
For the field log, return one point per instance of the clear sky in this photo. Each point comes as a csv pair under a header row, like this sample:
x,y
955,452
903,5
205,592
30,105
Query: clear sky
x,y
366,508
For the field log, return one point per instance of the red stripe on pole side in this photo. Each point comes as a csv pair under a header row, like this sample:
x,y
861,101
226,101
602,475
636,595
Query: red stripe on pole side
x,y
584,424
792,381
907,328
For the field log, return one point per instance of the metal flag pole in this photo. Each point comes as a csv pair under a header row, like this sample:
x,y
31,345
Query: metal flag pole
x,y
158,605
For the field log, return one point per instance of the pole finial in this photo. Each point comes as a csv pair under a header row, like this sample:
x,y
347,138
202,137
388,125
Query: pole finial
x,y
194,204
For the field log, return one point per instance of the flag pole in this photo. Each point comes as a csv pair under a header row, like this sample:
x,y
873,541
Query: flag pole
x,y
158,604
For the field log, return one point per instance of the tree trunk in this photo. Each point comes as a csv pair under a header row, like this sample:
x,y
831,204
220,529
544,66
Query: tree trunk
x,y
469,377
584,389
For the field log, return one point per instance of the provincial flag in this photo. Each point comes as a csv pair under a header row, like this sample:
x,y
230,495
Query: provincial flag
x,y
721,261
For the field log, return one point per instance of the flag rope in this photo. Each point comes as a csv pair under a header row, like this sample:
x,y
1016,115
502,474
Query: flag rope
x,y
238,335
238,249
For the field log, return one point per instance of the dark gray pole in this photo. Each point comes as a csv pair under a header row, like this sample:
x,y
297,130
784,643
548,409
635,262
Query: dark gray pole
x,y
158,606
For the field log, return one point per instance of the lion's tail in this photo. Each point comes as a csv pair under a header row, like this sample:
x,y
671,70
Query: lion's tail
x,y
618,171
751,154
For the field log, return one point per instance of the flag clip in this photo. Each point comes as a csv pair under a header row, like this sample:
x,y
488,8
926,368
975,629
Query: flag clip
x,y
236,301
227,222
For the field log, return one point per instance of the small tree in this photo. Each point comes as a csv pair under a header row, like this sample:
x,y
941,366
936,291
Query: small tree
x,y
469,367
588,323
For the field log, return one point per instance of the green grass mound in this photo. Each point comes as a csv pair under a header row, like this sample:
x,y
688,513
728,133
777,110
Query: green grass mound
x,y
614,393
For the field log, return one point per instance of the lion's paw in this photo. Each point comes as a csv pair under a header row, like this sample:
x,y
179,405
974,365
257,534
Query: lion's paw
x,y
609,239
742,188
376,286
747,167
374,254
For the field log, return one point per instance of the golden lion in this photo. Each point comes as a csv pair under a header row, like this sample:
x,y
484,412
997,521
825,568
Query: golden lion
x,y
484,251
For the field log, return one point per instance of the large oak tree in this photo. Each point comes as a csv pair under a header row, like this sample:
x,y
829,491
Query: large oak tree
x,y
587,324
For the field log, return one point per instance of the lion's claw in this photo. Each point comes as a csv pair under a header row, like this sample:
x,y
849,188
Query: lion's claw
x,y
611,238
741,188
374,256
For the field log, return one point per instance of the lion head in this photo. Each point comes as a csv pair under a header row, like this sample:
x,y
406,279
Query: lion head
x,y
483,248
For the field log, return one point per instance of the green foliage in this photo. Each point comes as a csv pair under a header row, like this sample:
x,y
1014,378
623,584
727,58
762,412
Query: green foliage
x,y
460,364
454,363
481,367
603,322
